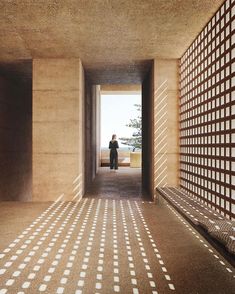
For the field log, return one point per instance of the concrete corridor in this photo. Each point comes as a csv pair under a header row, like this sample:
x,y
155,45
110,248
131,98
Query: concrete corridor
x,y
108,242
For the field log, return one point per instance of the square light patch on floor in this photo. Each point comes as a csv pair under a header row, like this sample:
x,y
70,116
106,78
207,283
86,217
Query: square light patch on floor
x,y
116,288
98,286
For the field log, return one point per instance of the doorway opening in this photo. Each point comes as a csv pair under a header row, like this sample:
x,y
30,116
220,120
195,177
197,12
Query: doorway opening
x,y
121,115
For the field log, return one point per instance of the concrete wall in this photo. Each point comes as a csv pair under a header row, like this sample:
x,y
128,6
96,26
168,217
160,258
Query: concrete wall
x,y
147,132
92,131
160,126
96,93
88,133
166,123
121,89
15,138
58,129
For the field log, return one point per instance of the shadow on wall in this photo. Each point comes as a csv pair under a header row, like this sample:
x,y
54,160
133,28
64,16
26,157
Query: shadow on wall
x,y
15,137
160,135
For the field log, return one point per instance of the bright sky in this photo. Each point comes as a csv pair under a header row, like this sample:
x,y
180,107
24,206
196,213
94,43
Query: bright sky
x,y
116,112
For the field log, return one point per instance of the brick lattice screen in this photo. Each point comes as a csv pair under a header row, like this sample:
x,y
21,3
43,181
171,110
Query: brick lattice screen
x,y
207,113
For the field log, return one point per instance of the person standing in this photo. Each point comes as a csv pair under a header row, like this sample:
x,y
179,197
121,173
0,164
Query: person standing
x,y
113,146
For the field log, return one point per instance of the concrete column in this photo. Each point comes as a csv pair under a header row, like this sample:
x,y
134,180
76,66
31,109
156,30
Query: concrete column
x,y
58,129
165,124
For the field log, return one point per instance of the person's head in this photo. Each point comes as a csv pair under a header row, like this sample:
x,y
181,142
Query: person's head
x,y
114,137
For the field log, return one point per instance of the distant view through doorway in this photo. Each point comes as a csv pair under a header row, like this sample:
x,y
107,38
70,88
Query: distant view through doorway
x,y
121,115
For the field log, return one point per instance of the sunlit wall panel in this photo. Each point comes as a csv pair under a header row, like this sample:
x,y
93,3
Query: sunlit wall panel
x,y
207,113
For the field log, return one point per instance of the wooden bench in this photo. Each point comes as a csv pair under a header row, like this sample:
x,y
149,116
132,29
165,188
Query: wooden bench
x,y
220,228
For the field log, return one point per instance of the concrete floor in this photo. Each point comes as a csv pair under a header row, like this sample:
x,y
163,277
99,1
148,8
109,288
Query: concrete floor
x,y
120,184
112,241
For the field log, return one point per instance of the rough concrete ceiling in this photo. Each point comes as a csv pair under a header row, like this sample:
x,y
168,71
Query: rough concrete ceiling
x,y
115,39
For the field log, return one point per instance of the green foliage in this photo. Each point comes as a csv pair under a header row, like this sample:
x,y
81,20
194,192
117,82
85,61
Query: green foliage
x,y
136,140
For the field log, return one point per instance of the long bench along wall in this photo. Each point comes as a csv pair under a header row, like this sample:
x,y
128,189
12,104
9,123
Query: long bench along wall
x,y
207,113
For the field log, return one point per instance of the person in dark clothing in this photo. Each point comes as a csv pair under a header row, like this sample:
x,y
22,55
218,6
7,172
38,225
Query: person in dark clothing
x,y
113,145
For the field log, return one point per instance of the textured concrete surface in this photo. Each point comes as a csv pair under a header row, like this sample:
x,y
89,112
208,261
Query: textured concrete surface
x,y
15,134
120,89
147,130
124,183
58,129
165,123
114,39
106,245
160,125
91,101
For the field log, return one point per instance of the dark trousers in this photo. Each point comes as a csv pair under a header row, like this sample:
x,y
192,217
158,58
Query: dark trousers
x,y
113,159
